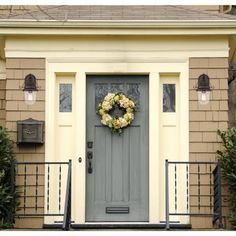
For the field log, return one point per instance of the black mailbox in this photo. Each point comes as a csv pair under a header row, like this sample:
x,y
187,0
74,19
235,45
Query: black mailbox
x,y
30,131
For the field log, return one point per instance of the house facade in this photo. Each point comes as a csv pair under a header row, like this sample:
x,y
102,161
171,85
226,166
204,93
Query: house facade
x,y
154,55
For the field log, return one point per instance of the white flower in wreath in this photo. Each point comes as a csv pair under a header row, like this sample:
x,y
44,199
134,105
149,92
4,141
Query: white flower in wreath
x,y
106,106
124,102
123,122
106,120
109,97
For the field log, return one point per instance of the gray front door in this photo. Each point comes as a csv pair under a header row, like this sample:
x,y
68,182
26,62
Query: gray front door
x,y
117,171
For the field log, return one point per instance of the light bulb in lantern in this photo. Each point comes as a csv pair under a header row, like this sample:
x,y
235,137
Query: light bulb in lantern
x,y
203,97
30,97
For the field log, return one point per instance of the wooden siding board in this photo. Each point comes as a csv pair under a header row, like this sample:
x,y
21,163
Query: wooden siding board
x,y
16,109
204,141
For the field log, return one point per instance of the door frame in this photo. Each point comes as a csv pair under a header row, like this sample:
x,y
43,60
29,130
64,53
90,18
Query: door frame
x,y
56,66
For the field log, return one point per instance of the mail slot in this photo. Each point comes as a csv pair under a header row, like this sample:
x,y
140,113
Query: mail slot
x,y
30,131
117,210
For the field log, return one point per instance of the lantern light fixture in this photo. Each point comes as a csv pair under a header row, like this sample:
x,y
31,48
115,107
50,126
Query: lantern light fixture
x,y
203,89
30,89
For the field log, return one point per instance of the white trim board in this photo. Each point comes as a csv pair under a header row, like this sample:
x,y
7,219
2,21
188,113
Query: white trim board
x,y
87,49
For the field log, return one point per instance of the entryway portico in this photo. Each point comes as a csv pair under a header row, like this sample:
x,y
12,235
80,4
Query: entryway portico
x,y
175,55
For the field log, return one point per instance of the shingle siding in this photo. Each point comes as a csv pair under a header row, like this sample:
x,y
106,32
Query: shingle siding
x,y
205,120
16,109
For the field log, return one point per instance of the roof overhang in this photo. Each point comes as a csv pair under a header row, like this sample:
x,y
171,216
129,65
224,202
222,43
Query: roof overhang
x,y
115,27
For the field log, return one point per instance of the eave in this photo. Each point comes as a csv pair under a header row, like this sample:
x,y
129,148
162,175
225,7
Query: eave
x,y
115,27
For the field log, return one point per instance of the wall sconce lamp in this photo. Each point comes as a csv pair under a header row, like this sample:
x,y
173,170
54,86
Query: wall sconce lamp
x,y
203,89
30,89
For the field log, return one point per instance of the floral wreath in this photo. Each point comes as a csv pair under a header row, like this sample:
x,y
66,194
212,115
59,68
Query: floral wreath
x,y
120,101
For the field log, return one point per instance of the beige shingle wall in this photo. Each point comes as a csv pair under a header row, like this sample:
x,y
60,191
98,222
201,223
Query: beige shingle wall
x,y
206,119
16,109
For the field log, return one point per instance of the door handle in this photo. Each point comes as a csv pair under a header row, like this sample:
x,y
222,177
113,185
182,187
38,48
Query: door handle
x,y
90,169
90,157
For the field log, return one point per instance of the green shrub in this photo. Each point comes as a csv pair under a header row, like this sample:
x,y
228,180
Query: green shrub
x,y
8,196
228,164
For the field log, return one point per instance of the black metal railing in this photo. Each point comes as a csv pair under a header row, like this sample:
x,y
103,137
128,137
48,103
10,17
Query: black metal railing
x,y
42,187
193,189
67,208
217,195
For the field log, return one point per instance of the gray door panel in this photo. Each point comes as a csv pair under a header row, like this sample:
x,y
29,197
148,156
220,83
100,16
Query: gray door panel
x,y
117,188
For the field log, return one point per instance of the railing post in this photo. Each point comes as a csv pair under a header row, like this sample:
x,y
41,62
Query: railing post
x,y
221,226
70,190
11,214
167,194
67,209
217,195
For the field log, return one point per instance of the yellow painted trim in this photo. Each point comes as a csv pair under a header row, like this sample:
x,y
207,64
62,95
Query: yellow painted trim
x,y
198,27
153,69
49,122
169,24
147,57
229,31
87,49
154,141
80,168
